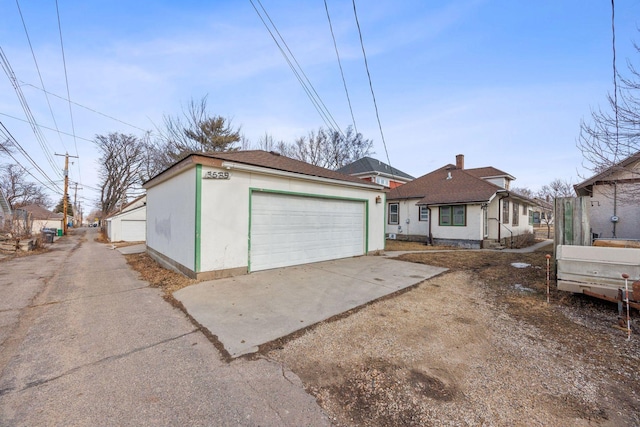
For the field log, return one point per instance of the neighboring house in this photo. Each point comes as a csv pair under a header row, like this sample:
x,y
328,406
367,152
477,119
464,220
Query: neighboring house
x,y
5,212
130,223
613,206
224,214
373,170
456,206
43,218
542,212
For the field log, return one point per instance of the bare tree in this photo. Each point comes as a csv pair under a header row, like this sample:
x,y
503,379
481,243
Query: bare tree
x,y
196,131
122,169
613,133
556,188
523,191
327,148
18,190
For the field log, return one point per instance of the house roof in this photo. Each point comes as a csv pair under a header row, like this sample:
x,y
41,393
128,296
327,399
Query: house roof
x,y
271,160
437,188
583,188
488,172
38,212
371,165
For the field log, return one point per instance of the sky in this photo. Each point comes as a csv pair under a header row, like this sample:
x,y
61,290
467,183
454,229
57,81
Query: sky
x,y
506,83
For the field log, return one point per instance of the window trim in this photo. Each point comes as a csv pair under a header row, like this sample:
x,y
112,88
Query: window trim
x,y
516,214
421,211
452,216
505,211
397,214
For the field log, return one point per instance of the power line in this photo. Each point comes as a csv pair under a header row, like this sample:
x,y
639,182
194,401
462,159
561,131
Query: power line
x,y
319,105
9,137
44,127
66,80
26,32
344,82
84,106
4,62
373,95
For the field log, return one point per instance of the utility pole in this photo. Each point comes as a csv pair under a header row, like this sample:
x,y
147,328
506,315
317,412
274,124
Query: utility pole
x,y
66,190
76,211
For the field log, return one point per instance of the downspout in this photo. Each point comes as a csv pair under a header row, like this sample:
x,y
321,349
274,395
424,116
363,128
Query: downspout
x,y
615,206
430,218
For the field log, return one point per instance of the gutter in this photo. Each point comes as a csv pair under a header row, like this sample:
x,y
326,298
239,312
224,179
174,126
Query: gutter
x,y
294,175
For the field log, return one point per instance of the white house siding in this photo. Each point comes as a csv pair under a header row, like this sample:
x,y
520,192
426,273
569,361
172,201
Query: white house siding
x,y
469,235
409,226
601,208
171,213
225,213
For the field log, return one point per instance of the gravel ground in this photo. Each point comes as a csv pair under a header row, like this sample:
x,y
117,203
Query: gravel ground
x,y
471,348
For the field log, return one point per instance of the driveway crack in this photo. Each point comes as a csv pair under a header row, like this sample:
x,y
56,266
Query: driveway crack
x,y
104,360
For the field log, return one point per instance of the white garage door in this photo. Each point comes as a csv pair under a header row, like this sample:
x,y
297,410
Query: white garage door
x,y
133,231
291,230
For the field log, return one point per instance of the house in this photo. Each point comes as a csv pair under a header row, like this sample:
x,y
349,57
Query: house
x,y
43,218
457,206
5,212
613,206
542,212
224,214
130,223
370,169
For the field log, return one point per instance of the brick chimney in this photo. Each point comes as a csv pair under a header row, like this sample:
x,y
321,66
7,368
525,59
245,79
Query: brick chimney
x,y
460,161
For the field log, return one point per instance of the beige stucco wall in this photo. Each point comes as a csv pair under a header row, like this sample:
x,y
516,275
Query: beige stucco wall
x,y
601,208
171,213
225,213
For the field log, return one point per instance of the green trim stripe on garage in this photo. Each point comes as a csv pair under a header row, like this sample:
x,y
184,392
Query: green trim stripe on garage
x,y
315,196
198,207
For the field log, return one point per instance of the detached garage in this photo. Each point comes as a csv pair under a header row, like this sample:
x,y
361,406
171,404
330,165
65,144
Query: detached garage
x,y
225,214
129,225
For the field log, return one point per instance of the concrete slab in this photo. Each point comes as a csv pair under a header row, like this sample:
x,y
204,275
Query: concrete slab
x,y
133,249
247,311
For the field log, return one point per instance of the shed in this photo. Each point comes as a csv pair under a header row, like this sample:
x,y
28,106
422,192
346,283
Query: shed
x,y
225,214
129,224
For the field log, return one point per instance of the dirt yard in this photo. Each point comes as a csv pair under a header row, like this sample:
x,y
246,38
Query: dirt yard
x,y
477,345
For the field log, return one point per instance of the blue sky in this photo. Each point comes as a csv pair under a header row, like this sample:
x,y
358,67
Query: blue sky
x,y
505,83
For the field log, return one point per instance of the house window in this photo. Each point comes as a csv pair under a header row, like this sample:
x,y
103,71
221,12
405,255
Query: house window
x,y
453,215
531,217
524,209
516,213
423,213
505,212
394,209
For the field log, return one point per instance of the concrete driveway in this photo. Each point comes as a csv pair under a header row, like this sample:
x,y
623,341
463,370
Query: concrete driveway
x,y
247,311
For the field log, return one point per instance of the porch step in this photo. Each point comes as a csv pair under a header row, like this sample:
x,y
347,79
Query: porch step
x,y
492,244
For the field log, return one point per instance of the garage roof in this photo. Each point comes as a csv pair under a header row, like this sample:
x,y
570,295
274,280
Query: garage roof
x,y
266,159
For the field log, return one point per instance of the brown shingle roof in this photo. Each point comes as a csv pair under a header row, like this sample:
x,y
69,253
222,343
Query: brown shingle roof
x,y
38,212
275,161
487,172
435,188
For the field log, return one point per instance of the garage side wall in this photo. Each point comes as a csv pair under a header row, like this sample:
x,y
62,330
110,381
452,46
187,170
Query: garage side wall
x,y
225,214
171,219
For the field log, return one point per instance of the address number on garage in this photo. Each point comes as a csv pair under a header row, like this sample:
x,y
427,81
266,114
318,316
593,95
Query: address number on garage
x,y
216,175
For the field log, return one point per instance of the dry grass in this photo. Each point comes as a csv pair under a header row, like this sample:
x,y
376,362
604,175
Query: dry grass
x,y
157,276
399,245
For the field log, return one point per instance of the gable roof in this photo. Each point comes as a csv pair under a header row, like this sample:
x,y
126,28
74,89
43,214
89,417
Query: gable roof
x,y
436,188
38,212
266,159
582,189
137,203
488,172
369,164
